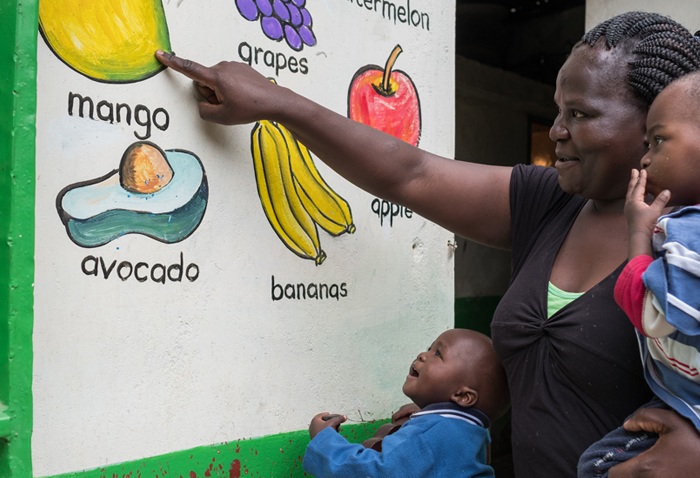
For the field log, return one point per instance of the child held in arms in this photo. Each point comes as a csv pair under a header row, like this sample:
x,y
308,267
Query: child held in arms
x,y
659,288
460,387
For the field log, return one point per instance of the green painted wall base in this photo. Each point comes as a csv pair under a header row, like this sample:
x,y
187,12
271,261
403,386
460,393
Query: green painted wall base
x,y
271,456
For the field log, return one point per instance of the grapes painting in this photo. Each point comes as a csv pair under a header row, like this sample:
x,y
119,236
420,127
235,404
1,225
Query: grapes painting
x,y
281,19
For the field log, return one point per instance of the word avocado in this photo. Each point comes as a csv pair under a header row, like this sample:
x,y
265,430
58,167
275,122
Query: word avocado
x,y
141,271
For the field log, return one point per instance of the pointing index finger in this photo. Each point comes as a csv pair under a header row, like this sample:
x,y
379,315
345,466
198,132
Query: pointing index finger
x,y
189,68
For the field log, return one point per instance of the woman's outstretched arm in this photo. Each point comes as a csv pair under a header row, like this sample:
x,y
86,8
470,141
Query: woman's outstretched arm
x,y
471,200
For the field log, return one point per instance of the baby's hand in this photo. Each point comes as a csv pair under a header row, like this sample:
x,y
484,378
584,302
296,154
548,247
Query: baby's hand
x,y
324,420
641,217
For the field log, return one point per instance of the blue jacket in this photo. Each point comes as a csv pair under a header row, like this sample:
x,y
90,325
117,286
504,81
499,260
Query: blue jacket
x,y
672,363
442,440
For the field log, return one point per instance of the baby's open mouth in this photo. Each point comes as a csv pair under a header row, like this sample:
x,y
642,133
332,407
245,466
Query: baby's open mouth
x,y
412,372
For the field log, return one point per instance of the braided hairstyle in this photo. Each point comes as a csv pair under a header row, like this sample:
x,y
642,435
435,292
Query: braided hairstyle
x,y
661,49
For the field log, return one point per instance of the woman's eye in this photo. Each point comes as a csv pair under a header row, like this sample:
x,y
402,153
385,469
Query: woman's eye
x,y
577,114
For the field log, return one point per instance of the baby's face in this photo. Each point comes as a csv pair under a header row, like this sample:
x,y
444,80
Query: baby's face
x,y
436,374
673,133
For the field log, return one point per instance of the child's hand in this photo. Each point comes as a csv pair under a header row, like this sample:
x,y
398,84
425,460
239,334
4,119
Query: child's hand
x,y
318,423
641,217
404,413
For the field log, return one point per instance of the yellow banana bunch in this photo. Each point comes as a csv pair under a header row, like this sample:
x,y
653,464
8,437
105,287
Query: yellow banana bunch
x,y
330,211
293,194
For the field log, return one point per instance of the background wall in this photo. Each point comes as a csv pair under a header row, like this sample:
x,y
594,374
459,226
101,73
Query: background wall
x,y
126,369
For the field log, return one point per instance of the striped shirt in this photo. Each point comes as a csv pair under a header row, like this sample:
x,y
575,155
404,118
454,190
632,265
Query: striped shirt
x,y
661,296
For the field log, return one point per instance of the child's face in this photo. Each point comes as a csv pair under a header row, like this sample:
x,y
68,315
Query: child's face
x,y
673,134
440,372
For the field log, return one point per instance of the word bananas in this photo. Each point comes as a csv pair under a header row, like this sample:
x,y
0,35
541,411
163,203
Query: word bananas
x,y
294,196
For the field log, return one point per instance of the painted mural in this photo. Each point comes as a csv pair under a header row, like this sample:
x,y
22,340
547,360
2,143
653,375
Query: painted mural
x,y
183,322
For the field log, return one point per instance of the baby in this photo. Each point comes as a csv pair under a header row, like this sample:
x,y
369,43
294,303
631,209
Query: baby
x,y
459,385
659,288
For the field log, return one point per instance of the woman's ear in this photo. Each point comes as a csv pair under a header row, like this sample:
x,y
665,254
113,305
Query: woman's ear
x,y
465,396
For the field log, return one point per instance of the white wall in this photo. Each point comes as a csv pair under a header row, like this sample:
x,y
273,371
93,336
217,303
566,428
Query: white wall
x,y
128,369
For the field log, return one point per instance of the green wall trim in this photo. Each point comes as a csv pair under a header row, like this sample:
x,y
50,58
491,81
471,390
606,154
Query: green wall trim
x,y
18,40
271,456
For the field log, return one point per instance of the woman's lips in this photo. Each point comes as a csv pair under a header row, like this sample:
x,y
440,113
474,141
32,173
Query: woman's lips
x,y
566,162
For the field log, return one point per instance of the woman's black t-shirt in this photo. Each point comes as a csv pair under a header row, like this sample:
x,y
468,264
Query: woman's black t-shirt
x,y
577,375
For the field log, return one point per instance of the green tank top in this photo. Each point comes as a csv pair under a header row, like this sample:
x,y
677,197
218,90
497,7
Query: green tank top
x,y
557,298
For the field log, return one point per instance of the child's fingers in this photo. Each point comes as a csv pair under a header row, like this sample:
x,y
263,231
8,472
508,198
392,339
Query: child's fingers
x,y
661,200
639,187
634,179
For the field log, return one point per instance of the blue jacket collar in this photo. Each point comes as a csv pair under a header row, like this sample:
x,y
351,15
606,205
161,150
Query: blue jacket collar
x,y
452,410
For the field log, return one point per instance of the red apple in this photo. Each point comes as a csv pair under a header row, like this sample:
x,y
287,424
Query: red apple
x,y
386,100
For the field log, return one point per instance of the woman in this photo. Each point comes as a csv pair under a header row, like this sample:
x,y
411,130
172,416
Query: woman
x,y
574,375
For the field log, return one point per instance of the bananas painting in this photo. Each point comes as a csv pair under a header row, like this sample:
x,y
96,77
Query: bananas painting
x,y
294,196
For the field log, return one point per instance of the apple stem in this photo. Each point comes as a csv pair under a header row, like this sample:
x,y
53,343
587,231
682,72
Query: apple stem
x,y
387,68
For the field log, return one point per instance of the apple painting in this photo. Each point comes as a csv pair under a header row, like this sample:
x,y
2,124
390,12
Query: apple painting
x,y
386,99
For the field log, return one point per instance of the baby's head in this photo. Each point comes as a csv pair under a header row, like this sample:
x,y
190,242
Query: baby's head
x,y
673,133
461,366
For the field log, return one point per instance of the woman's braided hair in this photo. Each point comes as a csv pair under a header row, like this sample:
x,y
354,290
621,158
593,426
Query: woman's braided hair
x,y
661,49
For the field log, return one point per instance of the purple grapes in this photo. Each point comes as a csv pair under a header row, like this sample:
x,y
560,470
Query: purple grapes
x,y
288,19
265,7
247,9
272,28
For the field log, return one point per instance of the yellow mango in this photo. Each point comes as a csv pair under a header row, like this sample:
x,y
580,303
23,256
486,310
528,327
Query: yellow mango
x,y
107,40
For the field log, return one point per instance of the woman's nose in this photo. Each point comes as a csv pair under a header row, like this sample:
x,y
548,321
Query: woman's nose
x,y
558,131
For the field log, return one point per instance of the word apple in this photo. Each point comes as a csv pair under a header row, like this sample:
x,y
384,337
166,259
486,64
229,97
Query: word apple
x,y
386,100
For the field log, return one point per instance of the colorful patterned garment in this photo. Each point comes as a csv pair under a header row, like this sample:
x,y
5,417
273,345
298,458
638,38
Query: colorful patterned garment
x,y
661,296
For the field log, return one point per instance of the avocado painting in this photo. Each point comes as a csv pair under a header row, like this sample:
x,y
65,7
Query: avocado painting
x,y
110,41
156,193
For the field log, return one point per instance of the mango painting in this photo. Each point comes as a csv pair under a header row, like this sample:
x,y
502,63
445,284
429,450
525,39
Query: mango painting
x,y
293,194
109,41
156,193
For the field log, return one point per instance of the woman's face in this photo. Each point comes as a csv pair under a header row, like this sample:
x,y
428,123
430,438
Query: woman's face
x,y
600,127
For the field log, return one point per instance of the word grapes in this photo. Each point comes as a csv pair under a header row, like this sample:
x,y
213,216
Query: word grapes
x,y
278,61
288,19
